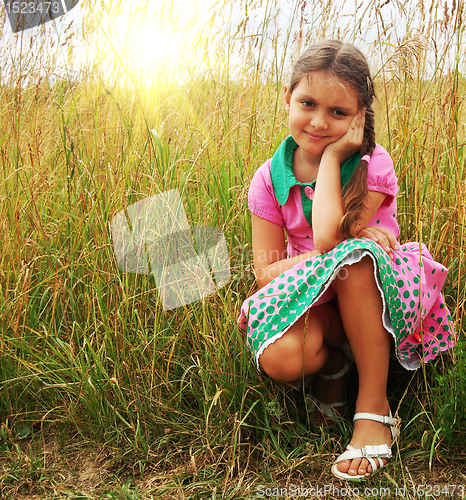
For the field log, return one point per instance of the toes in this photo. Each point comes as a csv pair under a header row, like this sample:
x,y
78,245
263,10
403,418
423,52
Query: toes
x,y
364,467
344,465
356,466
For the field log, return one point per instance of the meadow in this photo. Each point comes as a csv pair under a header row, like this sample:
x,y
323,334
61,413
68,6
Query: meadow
x,y
103,394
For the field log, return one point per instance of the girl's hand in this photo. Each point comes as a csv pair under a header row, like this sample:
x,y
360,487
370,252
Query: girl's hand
x,y
382,236
350,142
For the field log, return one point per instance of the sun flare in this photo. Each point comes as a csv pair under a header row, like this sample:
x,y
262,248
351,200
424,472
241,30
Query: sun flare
x,y
148,37
153,45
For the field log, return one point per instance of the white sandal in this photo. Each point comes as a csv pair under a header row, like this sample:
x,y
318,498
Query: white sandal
x,y
374,454
328,409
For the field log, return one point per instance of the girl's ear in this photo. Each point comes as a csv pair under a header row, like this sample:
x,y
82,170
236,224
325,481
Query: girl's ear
x,y
287,98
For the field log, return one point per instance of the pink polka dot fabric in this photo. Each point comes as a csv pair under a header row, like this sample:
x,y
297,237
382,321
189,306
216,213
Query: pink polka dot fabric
x,y
414,310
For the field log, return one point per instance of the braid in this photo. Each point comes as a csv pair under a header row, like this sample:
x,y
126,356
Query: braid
x,y
356,189
368,142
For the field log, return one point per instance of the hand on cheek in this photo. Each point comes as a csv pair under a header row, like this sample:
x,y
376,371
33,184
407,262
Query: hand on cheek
x,y
350,142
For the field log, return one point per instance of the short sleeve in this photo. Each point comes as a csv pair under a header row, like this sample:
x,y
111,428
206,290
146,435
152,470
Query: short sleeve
x,y
261,198
381,175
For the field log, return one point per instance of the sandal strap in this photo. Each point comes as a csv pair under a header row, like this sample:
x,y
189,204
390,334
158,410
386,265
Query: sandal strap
x,y
335,376
383,419
377,451
373,463
393,423
327,409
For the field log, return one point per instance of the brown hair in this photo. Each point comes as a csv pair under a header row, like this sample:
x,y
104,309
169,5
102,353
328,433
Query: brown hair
x,y
348,64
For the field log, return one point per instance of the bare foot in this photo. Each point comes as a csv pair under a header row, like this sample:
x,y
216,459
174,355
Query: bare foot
x,y
366,432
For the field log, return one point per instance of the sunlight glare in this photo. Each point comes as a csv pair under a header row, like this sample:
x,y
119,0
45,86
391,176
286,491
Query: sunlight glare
x,y
154,45
149,36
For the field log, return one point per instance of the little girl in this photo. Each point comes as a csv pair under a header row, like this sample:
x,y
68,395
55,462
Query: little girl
x,y
339,275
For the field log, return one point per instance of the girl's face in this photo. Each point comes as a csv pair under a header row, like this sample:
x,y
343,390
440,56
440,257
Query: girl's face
x,y
320,110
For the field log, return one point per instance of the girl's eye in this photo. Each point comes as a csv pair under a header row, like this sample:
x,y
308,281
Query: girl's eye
x,y
339,113
307,104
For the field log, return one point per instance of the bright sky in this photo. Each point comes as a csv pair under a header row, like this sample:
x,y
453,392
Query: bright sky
x,y
139,35
144,37
147,32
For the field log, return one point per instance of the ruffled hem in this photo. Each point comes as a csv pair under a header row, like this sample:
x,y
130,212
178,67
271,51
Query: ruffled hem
x,y
413,308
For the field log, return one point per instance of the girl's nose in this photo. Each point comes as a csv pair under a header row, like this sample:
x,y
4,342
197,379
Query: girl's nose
x,y
318,121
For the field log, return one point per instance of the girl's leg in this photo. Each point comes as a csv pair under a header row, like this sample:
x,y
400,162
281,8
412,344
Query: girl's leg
x,y
307,347
361,313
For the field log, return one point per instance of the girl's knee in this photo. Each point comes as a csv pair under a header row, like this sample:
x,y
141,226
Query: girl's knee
x,y
284,360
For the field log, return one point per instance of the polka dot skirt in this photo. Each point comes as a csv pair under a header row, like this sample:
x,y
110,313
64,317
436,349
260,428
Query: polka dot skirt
x,y
413,308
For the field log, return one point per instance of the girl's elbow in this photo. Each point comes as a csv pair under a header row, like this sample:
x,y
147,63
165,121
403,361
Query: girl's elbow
x,y
261,282
262,277
326,243
326,234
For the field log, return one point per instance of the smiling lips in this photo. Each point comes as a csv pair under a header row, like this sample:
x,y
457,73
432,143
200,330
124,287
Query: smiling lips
x,y
315,137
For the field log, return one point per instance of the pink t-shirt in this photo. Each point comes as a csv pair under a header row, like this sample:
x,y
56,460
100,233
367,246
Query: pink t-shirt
x,y
263,203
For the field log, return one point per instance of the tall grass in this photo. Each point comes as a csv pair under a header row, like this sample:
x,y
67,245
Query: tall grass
x,y
88,353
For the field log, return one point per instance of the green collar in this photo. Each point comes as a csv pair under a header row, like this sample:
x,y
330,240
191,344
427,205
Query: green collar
x,y
283,178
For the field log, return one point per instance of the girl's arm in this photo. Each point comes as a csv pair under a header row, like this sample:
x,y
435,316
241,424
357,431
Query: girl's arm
x,y
327,236
327,209
269,251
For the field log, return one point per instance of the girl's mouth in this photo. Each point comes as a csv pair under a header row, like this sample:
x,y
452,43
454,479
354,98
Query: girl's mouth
x,y
315,137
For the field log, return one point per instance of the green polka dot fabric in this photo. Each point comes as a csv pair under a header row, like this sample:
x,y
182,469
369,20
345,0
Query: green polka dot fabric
x,y
414,310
